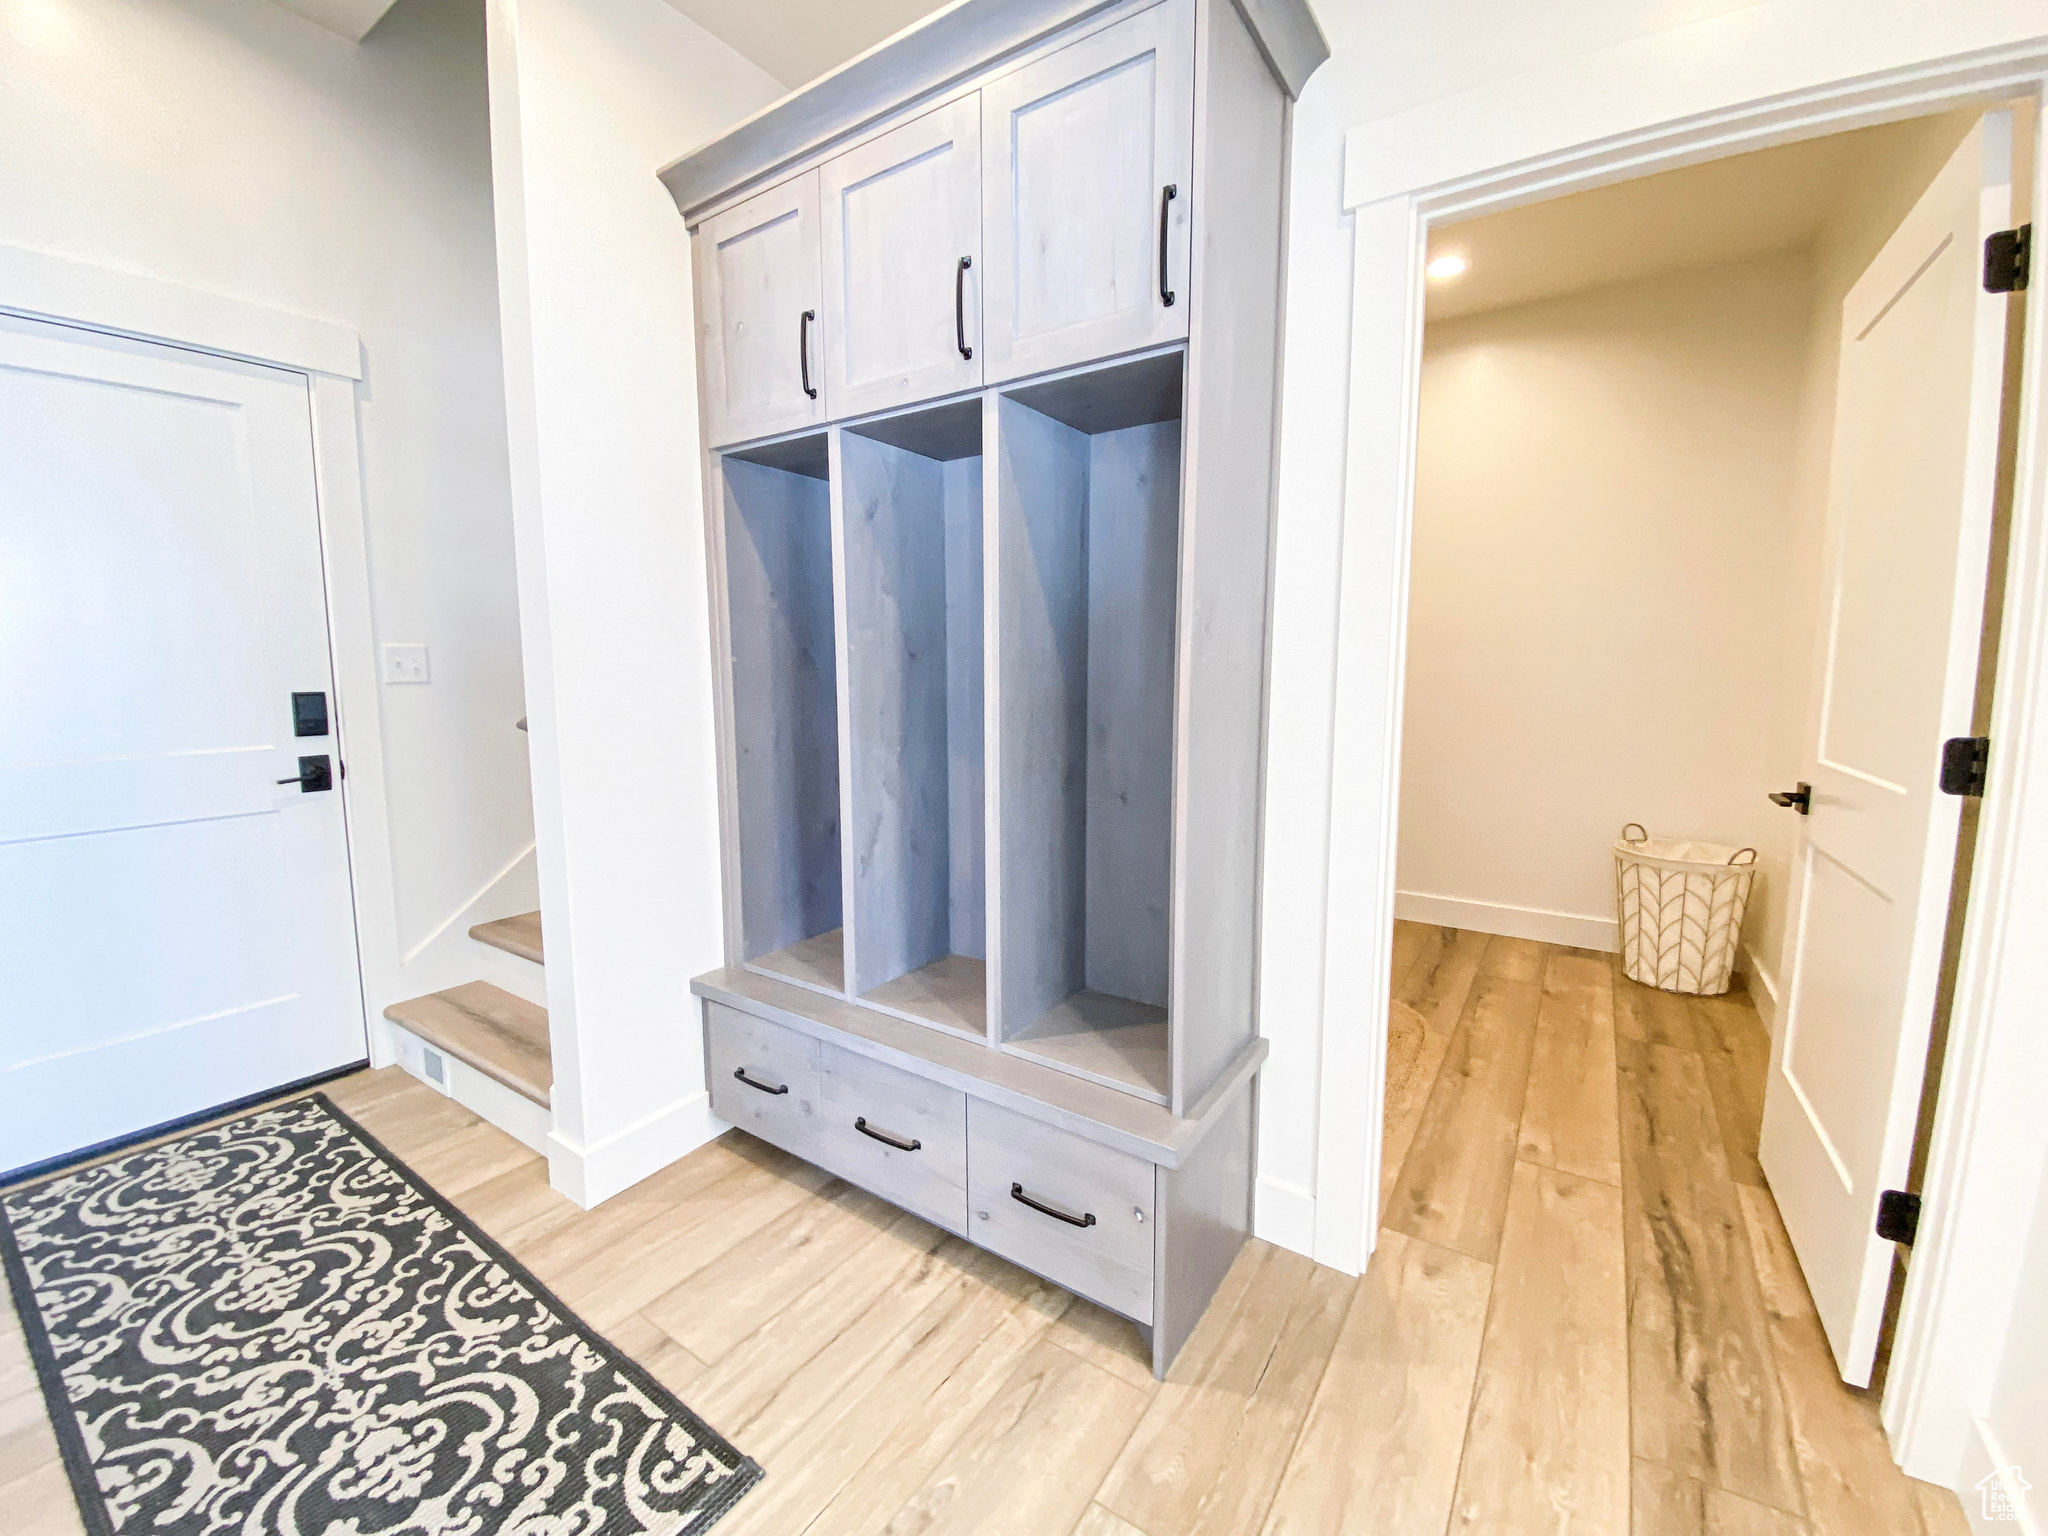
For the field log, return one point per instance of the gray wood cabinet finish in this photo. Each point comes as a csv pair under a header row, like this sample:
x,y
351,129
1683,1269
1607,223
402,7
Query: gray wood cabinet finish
x,y
902,239
784,664
992,630
956,43
902,1136
763,1078
1042,710
1087,248
912,533
1062,1207
1226,558
764,314
1114,1119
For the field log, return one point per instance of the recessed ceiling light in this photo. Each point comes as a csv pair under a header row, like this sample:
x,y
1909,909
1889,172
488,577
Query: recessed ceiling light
x,y
1444,268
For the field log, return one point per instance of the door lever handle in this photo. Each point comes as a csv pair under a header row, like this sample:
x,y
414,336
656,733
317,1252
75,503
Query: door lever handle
x,y
1800,799
314,775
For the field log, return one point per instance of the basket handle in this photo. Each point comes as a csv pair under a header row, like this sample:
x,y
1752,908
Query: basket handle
x,y
1645,831
1738,853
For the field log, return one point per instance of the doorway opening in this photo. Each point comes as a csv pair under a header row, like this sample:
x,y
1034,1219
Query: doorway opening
x,y
1663,565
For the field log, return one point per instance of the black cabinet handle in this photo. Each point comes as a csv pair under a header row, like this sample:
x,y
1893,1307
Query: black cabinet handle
x,y
960,305
1085,1219
803,349
741,1074
860,1124
1165,203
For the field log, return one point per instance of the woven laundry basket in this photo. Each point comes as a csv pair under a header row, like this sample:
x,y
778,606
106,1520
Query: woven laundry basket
x,y
1680,903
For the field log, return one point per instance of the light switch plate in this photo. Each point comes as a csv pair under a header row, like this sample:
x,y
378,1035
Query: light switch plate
x,y
405,663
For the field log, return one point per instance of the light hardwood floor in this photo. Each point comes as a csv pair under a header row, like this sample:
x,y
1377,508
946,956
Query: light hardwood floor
x,y
1582,1316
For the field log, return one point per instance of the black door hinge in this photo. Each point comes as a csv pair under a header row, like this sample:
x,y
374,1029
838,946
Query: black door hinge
x,y
1898,1216
1964,760
2005,259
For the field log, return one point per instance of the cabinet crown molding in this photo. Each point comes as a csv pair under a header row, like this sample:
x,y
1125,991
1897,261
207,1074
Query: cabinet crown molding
x,y
946,49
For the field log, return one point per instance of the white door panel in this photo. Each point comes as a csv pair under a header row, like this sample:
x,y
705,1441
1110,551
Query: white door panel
x,y
1078,150
764,314
175,926
1911,489
902,212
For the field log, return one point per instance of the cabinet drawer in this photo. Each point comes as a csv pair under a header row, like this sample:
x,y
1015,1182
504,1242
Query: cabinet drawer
x,y
764,1078
896,1134
1069,1209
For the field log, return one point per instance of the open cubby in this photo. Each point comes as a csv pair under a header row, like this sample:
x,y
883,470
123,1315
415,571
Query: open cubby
x,y
1088,513
910,492
778,555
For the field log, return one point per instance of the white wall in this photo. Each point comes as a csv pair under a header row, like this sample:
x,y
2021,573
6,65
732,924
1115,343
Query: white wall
x,y
588,99
235,147
1603,484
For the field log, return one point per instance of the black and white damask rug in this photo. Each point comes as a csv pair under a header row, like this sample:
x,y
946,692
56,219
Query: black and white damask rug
x,y
269,1328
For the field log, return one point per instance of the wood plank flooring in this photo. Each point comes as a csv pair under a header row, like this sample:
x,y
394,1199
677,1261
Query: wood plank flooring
x,y
1583,1315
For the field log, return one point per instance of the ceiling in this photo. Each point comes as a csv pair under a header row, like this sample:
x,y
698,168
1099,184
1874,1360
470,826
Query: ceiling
x,y
798,40
1700,216
352,19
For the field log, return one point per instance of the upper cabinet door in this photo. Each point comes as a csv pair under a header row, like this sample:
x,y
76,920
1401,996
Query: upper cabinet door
x,y
1087,159
764,321
903,262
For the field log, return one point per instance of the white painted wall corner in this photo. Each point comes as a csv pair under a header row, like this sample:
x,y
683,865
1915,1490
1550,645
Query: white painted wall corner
x,y
1763,987
591,1175
1284,1214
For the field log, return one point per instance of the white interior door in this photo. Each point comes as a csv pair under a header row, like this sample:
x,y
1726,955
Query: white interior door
x,y
764,314
1088,166
175,926
1911,492
903,262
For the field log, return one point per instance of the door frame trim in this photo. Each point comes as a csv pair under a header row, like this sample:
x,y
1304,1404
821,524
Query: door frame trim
x,y
328,355
1961,1287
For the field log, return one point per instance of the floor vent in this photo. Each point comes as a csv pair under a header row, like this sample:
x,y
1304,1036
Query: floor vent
x,y
435,1068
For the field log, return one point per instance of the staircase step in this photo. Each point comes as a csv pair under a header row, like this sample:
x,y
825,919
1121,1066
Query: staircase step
x,y
515,935
502,1036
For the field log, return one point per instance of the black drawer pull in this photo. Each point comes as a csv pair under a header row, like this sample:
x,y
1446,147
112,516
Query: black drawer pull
x,y
860,1124
1166,197
960,306
741,1074
803,349
1085,1219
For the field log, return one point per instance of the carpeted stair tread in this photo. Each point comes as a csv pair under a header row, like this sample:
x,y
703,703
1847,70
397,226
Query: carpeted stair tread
x,y
502,1036
515,935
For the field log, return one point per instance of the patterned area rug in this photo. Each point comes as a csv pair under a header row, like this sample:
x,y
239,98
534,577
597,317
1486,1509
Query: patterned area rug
x,y
270,1327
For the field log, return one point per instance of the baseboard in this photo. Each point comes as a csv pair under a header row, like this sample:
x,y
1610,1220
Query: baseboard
x,y
1544,926
592,1175
1284,1214
1985,1474
1763,988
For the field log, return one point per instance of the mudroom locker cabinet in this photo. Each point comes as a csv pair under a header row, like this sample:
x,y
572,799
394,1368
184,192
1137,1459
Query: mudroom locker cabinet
x,y
988,330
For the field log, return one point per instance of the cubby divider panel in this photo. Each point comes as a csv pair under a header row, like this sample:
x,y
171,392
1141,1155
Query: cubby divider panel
x,y
1088,513
910,497
778,551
